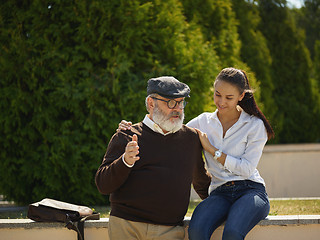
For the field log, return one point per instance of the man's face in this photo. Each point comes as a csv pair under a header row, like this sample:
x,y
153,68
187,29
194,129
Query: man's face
x,y
168,119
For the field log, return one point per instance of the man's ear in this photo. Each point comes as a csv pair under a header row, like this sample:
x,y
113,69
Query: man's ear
x,y
151,103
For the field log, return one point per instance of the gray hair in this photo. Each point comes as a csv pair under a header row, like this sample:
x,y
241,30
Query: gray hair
x,y
150,96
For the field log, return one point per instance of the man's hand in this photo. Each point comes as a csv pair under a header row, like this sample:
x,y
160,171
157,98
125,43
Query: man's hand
x,y
132,150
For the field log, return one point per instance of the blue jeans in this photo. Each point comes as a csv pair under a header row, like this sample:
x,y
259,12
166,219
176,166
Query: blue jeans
x,y
240,204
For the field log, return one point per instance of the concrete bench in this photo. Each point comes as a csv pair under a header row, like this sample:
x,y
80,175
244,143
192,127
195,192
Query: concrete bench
x,y
273,227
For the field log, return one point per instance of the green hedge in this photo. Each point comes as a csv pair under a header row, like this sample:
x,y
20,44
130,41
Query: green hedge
x,y
71,70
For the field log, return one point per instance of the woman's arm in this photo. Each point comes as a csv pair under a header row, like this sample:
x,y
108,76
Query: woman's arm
x,y
209,148
247,163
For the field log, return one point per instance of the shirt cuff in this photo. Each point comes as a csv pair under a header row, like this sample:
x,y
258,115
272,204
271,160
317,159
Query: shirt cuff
x,y
130,166
230,163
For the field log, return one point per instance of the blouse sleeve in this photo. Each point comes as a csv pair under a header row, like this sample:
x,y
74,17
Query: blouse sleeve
x,y
248,162
194,123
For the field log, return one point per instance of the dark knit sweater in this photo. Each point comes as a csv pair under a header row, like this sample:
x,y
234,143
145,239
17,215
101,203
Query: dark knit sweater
x,y
157,188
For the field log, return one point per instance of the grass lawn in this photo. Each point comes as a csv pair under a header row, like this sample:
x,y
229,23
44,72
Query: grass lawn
x,y
278,207
283,207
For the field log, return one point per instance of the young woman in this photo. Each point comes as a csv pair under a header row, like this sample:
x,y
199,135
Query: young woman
x,y
233,138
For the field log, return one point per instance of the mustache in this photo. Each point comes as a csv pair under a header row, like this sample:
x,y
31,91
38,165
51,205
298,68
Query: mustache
x,y
175,114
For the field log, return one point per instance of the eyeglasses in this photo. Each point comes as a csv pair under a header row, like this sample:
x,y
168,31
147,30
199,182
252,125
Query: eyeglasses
x,y
173,103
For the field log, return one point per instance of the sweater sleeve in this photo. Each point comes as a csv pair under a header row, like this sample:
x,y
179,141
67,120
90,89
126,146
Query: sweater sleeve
x,y
201,177
112,173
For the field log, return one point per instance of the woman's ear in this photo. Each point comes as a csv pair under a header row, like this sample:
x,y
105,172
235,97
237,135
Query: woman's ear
x,y
242,96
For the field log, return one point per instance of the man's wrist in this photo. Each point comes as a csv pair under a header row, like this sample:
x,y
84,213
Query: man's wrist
x,y
125,163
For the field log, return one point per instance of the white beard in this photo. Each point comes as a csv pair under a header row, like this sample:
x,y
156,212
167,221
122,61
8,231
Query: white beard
x,y
164,122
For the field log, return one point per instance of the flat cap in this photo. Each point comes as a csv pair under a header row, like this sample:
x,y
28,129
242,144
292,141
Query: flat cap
x,y
168,87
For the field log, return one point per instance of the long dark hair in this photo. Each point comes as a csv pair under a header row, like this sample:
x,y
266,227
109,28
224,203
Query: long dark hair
x,y
239,78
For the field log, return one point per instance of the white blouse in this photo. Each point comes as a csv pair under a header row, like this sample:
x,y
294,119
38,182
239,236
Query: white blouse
x,y
243,144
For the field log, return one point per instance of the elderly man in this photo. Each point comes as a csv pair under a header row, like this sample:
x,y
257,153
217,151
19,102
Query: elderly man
x,y
148,169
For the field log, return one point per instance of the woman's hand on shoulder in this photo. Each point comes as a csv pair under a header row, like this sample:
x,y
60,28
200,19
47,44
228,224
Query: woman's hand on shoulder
x,y
208,146
124,125
205,141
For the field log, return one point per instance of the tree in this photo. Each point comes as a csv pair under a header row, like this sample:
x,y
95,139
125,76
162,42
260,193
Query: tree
x,y
308,19
70,71
291,67
255,53
218,24
316,85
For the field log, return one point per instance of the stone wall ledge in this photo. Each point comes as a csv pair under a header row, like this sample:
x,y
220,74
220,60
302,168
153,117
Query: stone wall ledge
x,y
281,220
306,147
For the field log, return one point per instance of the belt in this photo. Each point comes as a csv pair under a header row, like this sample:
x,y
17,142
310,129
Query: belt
x,y
229,184
237,182
248,183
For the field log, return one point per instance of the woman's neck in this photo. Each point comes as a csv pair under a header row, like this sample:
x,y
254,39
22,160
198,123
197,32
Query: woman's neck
x,y
227,120
229,116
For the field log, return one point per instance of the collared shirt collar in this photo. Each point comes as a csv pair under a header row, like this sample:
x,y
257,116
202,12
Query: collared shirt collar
x,y
244,117
153,126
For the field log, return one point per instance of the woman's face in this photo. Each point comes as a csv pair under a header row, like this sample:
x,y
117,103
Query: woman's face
x,y
226,96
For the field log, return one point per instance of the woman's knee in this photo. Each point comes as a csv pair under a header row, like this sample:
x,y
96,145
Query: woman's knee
x,y
262,209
